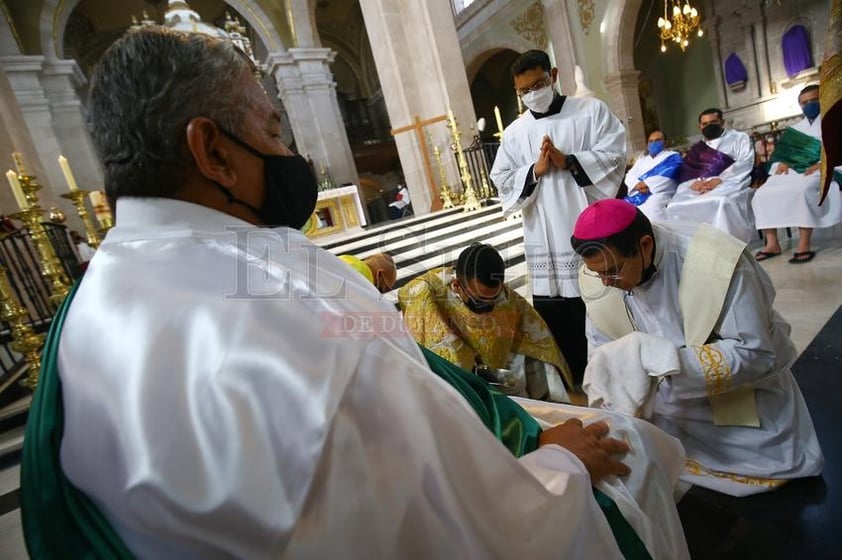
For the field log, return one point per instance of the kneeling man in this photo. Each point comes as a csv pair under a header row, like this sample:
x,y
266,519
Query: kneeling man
x,y
690,305
468,316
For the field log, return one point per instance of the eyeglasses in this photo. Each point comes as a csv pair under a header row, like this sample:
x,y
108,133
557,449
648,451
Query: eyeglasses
x,y
542,83
617,275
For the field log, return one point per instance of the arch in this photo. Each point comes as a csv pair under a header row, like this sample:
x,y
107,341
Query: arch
x,y
618,39
55,13
484,49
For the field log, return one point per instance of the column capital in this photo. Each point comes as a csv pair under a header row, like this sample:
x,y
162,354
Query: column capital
x,y
22,63
66,67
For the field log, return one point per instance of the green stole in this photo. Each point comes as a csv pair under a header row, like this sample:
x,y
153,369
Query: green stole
x,y
796,149
59,521
519,432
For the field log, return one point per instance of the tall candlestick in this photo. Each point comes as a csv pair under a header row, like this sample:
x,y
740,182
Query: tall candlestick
x,y
499,119
16,190
68,173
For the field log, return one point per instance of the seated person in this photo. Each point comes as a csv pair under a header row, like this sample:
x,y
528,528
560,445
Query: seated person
x,y
790,196
399,207
694,297
468,316
651,180
713,182
378,268
232,427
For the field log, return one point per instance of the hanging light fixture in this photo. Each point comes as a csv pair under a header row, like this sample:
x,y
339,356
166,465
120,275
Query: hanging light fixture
x,y
680,25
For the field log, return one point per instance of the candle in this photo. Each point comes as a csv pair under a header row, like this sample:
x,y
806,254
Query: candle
x,y
16,190
68,174
18,162
499,119
450,116
519,105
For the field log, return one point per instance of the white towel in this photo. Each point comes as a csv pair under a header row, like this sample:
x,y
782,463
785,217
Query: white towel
x,y
623,375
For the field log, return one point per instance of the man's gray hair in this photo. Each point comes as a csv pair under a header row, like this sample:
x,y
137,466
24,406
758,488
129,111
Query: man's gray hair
x,y
146,89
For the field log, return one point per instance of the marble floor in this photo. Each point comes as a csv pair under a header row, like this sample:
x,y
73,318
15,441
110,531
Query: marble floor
x,y
807,295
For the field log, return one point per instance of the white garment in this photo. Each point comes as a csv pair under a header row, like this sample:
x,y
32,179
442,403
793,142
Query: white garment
x,y
86,252
662,188
752,346
586,129
652,458
401,199
623,375
728,206
216,408
792,199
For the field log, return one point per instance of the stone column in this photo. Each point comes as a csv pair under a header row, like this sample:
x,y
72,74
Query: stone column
x,y
422,73
61,80
557,21
23,73
306,87
711,28
624,100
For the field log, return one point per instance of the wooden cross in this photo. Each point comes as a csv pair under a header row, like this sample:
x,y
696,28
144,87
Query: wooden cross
x,y
418,126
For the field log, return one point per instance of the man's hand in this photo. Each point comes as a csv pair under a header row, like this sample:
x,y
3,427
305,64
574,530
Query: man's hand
x,y
782,169
590,445
813,168
557,157
711,184
542,166
641,187
697,185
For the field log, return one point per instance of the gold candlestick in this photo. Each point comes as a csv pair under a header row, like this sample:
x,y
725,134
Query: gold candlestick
x,y
77,197
485,189
51,267
24,339
445,194
470,197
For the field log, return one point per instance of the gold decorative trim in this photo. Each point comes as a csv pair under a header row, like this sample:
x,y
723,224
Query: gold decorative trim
x,y
11,23
693,467
530,25
715,368
586,14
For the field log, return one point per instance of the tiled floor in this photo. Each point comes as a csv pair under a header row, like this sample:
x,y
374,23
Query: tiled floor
x,y
808,294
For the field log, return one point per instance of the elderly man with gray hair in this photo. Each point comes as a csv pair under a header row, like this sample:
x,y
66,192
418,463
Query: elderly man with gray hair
x,y
199,398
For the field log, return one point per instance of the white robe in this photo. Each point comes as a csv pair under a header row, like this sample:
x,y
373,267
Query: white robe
x,y
235,392
586,129
662,188
728,206
753,347
792,199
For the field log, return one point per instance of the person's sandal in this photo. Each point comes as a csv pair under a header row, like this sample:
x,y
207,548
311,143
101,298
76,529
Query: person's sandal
x,y
803,257
764,255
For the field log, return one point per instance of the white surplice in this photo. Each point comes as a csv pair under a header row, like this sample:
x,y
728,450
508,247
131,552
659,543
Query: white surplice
x,y
586,129
751,346
662,188
728,206
792,199
237,392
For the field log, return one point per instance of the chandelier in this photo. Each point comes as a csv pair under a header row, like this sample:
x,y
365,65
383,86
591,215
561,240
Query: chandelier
x,y
678,29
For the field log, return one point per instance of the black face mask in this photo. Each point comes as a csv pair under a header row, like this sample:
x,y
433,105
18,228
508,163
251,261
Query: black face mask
x,y
712,131
291,189
650,270
479,307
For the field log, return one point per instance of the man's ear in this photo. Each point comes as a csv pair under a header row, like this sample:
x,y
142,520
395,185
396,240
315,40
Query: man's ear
x,y
210,152
554,74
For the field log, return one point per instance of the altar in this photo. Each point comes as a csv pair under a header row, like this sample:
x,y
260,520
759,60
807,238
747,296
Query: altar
x,y
338,210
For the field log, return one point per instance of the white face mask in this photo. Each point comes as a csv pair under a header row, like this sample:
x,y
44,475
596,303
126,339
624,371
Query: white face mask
x,y
540,100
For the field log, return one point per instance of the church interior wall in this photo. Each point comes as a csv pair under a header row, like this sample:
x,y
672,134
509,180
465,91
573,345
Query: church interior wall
x,y
587,30
754,30
675,85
